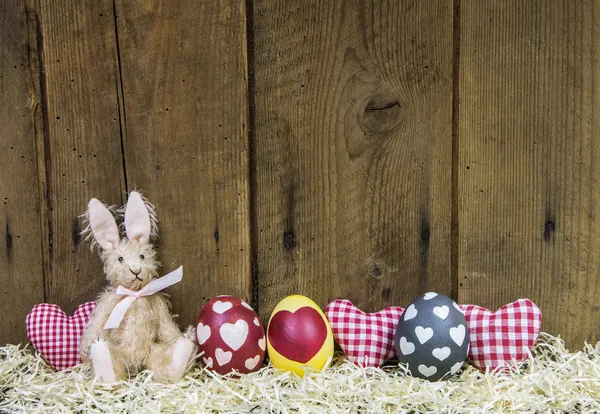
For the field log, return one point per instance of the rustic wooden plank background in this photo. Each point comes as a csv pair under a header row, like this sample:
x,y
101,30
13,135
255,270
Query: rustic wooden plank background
x,y
370,150
353,150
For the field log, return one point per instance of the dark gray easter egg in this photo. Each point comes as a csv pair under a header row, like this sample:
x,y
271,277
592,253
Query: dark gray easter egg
x,y
432,337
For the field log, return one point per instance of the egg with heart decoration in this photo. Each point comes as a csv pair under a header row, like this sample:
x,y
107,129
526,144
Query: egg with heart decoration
x,y
231,336
299,336
432,337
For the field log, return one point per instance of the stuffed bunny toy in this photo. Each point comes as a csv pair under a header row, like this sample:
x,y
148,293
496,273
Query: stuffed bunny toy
x,y
145,336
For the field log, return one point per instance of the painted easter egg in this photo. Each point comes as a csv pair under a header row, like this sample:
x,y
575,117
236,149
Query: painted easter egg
x,y
432,337
231,336
299,335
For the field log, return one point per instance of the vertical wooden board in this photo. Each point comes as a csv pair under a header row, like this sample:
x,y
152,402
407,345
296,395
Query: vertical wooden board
x,y
353,150
82,146
184,76
528,161
21,265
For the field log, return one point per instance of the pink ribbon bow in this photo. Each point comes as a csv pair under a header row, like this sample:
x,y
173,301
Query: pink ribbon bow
x,y
116,316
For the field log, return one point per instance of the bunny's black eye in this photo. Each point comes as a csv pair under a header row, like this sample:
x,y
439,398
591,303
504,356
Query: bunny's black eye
x,y
120,260
142,256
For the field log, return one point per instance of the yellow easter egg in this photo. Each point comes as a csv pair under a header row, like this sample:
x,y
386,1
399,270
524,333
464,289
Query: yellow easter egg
x,y
299,335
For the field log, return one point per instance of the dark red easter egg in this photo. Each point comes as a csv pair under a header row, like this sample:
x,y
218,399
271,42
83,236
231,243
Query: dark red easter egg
x,y
231,336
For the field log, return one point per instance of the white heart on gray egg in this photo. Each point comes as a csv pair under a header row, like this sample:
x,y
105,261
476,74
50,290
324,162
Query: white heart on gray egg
x,y
441,312
410,313
406,347
441,353
423,334
458,334
429,295
427,371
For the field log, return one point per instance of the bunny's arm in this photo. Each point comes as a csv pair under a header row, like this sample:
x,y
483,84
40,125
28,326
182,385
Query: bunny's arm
x,y
95,326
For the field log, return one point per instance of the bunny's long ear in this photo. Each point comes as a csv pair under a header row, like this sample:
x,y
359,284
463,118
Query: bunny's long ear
x,y
103,225
137,219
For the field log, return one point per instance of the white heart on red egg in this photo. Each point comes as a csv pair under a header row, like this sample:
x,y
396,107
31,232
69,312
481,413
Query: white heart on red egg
x,y
203,333
222,307
251,363
234,335
223,357
208,362
247,306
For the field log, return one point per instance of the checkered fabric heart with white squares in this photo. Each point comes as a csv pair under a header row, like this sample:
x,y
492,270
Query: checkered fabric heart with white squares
x,y
499,339
55,335
367,339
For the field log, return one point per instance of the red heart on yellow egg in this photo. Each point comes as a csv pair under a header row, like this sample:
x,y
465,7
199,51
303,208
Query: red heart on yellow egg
x,y
287,327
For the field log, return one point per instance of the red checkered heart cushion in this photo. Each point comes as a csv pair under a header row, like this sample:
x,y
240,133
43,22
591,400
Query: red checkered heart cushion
x,y
55,335
499,339
367,339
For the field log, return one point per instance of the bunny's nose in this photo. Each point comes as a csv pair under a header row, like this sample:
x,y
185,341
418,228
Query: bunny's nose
x,y
135,270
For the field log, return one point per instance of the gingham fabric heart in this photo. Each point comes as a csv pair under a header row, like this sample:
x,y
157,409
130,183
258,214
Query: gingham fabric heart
x,y
501,338
55,335
367,339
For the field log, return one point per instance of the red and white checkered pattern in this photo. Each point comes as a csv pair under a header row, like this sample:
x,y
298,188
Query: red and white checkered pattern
x,y
55,335
501,338
367,339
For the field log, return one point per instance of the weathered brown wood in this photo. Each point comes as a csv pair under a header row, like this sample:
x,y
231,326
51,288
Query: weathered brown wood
x,y
528,162
21,267
183,67
353,150
82,146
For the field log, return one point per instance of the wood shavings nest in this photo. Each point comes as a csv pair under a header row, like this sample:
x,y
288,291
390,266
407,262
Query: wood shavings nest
x,y
552,380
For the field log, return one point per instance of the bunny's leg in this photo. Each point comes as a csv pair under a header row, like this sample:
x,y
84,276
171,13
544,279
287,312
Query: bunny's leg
x,y
108,364
170,361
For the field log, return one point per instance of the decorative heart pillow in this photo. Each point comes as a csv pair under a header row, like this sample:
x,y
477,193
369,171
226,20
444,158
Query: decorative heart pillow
x,y
367,339
55,335
501,338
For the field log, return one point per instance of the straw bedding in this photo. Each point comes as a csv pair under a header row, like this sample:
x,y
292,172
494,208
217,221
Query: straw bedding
x,y
552,380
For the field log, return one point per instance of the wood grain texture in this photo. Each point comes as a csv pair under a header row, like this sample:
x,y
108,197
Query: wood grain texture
x,y
21,264
186,139
529,159
353,150
82,145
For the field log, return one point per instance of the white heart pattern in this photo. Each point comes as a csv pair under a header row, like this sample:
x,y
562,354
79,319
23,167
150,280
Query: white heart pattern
x,y
429,295
251,363
456,367
423,334
208,362
234,335
458,307
458,334
441,312
247,306
202,333
256,322
441,353
223,357
410,312
262,343
406,347
427,371
222,307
